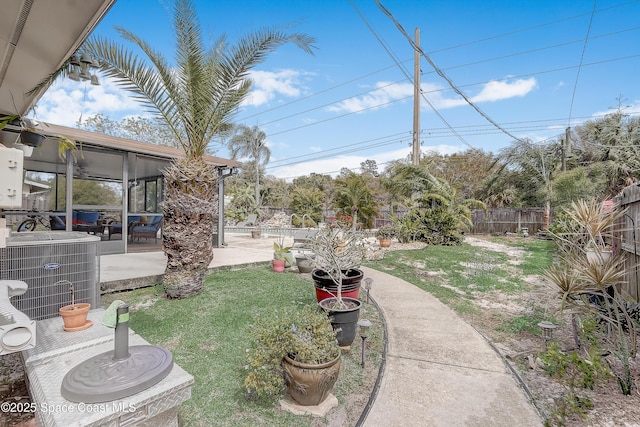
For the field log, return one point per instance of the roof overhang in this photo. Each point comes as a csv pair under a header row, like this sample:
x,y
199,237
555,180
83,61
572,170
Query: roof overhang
x,y
36,38
101,156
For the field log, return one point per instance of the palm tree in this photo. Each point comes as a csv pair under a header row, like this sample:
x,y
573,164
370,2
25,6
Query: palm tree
x,y
250,142
354,194
196,98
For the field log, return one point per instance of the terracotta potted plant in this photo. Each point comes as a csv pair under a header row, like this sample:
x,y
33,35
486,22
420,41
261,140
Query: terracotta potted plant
x,y
74,315
385,234
339,251
280,255
294,351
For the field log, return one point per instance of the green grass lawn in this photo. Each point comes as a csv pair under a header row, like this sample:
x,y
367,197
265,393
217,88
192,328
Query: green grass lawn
x,y
455,274
208,336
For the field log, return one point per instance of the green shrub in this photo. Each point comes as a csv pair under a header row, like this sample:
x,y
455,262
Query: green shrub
x,y
304,334
437,226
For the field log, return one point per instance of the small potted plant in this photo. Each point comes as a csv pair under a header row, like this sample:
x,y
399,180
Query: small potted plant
x,y
294,350
74,315
385,234
339,251
281,255
28,133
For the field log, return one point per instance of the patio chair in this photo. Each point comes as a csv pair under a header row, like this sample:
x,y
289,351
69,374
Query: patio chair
x,y
116,227
251,220
146,230
88,222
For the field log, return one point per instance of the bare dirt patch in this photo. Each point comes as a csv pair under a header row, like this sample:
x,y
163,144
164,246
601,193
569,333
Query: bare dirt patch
x,y
610,406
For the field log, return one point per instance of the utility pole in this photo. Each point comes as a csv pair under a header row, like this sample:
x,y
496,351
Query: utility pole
x,y
416,100
566,148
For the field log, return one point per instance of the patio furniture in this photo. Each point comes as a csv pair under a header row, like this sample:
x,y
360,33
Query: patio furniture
x,y
87,221
251,220
116,227
146,230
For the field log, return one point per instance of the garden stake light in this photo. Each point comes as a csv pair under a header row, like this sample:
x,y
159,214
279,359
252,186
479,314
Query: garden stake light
x,y
364,325
547,331
367,284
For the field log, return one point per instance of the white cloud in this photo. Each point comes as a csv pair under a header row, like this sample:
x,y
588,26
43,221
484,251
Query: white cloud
x,y
67,100
269,84
386,93
498,90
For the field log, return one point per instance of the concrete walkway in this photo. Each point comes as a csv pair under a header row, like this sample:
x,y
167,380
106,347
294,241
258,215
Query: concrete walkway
x,y
439,371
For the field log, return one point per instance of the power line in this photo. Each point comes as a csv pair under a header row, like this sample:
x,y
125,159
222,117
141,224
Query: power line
x,y
341,147
441,73
406,73
535,27
470,130
584,48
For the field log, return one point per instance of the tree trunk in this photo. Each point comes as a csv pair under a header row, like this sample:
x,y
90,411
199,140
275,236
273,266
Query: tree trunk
x,y
547,215
189,206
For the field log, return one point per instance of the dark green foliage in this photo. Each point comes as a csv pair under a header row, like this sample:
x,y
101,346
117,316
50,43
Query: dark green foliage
x,y
437,226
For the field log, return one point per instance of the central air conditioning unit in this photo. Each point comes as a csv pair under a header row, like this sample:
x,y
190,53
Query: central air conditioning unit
x,y
44,261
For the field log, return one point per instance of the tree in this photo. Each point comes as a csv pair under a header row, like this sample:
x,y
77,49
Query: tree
x,y
369,167
612,142
85,192
143,129
467,172
307,202
251,142
353,194
196,97
535,165
275,192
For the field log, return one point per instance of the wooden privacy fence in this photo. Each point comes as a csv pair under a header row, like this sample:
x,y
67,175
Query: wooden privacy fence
x,y
503,220
625,237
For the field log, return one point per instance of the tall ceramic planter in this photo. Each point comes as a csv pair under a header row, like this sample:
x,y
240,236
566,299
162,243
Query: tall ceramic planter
x,y
325,288
309,384
345,321
288,259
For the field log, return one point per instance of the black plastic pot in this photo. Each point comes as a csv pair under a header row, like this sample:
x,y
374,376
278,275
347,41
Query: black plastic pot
x,y
32,139
345,321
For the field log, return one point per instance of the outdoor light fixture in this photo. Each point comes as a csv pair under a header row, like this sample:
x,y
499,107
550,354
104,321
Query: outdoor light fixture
x,y
85,59
367,284
73,75
84,72
364,326
547,331
80,69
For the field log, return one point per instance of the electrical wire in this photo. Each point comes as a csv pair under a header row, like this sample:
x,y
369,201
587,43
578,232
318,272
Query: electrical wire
x,y
584,49
406,73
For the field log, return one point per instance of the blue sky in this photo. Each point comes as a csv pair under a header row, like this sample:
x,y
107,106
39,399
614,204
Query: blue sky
x,y
533,68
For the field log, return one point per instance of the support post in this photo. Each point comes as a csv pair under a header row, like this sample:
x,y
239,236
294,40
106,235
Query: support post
x,y
416,100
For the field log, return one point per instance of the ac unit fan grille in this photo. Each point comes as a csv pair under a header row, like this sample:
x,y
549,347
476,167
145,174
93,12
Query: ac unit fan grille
x,y
47,262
